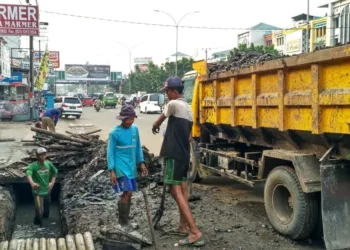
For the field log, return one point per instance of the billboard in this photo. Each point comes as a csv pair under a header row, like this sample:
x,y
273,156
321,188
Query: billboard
x,y
142,60
19,20
54,57
81,72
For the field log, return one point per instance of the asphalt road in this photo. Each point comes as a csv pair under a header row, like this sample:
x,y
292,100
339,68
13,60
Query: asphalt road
x,y
105,119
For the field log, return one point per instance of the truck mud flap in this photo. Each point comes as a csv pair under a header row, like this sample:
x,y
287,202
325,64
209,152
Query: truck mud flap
x,y
335,180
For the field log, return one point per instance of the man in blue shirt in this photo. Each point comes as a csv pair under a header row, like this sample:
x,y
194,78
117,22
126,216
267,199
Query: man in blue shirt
x,y
124,154
50,118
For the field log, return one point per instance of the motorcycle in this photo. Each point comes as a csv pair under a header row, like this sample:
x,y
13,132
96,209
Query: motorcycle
x,y
97,105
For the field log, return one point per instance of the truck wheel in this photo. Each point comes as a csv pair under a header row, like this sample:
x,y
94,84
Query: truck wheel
x,y
291,212
194,175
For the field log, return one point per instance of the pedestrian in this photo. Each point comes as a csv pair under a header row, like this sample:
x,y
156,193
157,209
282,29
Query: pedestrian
x,y
50,118
176,151
124,155
42,176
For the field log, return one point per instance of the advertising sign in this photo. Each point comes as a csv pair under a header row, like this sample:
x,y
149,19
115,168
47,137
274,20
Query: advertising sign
x,y
293,45
54,57
5,61
19,20
142,60
82,72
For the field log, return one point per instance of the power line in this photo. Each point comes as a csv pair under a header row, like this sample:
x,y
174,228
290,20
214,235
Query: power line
x,y
169,25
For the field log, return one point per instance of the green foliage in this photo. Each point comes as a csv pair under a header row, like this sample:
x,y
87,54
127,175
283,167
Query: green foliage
x,y
260,48
153,79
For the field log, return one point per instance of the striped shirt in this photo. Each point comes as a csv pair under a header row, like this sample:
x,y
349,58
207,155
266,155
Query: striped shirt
x,y
176,139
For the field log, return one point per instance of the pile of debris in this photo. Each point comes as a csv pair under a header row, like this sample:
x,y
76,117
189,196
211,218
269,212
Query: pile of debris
x,y
88,201
241,59
72,150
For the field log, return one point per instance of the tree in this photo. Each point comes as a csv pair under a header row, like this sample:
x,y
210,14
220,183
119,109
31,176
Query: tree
x,y
153,79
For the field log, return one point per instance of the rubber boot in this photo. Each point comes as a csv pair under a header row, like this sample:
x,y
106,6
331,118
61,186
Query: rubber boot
x,y
124,211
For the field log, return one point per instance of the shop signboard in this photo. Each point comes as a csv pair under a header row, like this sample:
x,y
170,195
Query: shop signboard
x,y
19,20
54,57
81,72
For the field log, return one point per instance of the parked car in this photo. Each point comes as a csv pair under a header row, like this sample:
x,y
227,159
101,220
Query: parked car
x,y
149,103
71,106
87,101
109,100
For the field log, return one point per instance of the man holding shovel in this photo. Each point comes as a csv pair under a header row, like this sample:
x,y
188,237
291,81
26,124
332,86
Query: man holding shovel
x,y
176,151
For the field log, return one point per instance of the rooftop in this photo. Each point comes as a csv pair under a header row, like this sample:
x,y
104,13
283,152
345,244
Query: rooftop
x,y
303,16
264,26
180,54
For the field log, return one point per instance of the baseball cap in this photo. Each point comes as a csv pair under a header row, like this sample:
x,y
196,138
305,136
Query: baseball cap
x,y
126,112
172,82
41,151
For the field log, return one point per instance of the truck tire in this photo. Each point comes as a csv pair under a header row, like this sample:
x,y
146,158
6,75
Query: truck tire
x,y
194,175
291,212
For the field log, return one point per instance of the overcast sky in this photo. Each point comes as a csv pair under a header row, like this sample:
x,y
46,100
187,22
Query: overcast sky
x,y
81,40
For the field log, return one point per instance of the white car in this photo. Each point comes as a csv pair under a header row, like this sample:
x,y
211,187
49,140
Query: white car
x,y
149,103
71,106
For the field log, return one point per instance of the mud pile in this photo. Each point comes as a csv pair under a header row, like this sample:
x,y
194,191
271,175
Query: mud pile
x,y
242,59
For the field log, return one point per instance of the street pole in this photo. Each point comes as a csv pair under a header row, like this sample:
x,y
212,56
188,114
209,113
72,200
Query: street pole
x,y
308,27
31,74
39,51
177,41
177,31
130,71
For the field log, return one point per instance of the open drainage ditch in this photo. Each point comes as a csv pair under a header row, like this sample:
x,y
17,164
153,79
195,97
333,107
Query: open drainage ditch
x,y
24,216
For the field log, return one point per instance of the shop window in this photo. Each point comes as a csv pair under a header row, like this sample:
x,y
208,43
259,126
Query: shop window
x,y
280,41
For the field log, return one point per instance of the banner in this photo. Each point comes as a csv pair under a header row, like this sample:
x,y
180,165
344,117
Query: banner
x,y
19,20
5,61
54,57
80,72
43,71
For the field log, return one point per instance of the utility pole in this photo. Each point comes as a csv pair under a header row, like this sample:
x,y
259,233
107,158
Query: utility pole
x,y
31,73
308,27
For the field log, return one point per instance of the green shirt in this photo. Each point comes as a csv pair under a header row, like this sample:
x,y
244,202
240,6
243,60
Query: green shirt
x,y
42,175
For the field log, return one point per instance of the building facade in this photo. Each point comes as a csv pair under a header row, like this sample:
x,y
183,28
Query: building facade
x,y
255,35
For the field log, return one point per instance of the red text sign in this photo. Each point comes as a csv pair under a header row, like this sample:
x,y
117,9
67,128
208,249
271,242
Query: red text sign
x,y
19,20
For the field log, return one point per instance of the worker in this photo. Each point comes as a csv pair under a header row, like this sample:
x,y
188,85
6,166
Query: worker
x,y
124,154
42,176
50,118
176,151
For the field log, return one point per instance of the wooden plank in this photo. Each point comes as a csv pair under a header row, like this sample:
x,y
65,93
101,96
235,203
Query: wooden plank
x,y
281,93
315,82
254,100
233,109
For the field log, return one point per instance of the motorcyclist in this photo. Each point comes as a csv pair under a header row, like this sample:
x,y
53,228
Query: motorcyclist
x,y
97,103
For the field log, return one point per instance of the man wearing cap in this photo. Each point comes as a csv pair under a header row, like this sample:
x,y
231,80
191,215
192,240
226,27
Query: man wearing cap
x,y
124,155
41,176
50,118
176,151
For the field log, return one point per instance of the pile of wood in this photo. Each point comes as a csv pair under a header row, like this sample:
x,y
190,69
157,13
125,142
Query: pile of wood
x,y
67,150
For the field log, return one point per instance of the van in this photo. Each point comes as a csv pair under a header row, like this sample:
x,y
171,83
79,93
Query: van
x,y
109,100
150,103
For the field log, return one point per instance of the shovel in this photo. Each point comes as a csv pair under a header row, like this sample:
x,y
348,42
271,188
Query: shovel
x,y
149,218
160,210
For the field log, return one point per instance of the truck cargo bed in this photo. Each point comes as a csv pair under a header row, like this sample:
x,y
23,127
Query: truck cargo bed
x,y
296,103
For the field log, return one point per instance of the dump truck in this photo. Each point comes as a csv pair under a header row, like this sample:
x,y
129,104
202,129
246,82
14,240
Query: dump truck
x,y
284,123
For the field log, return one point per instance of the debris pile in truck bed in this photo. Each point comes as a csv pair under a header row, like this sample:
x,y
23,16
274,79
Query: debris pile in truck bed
x,y
242,59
